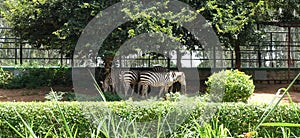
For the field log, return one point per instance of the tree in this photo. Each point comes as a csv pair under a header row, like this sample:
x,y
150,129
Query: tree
x,y
51,23
233,21
282,11
59,23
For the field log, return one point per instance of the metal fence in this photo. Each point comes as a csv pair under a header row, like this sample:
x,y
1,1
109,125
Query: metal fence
x,y
14,51
278,46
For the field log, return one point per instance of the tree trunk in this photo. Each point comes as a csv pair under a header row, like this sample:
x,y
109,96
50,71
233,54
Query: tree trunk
x,y
107,65
178,60
237,52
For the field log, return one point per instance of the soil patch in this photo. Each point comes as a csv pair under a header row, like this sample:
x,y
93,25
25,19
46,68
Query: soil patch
x,y
264,93
28,95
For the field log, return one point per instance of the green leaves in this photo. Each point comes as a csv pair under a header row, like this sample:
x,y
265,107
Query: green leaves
x,y
279,124
230,16
35,77
5,77
231,86
50,23
282,11
46,118
152,20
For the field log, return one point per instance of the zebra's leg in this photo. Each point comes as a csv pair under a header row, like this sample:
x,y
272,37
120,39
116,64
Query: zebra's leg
x,y
171,87
133,87
145,91
183,86
113,87
139,89
161,91
126,87
116,85
148,90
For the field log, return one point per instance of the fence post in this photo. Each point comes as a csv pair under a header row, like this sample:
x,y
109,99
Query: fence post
x,y
289,54
61,57
21,51
16,51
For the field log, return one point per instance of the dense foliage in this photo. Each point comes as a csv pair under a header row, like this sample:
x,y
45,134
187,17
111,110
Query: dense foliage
x,y
34,21
43,117
231,85
5,77
26,77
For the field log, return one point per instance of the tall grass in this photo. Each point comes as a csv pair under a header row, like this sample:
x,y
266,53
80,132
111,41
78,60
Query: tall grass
x,y
205,130
70,132
271,108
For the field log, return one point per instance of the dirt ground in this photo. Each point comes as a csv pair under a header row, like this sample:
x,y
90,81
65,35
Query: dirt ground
x,y
27,95
264,93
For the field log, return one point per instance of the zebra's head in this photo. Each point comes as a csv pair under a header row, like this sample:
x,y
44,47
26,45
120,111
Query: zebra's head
x,y
178,77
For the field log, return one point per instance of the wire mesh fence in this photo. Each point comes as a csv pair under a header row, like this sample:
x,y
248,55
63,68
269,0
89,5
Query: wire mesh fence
x,y
276,48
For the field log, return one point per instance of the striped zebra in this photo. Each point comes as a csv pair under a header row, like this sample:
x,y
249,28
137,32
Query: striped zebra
x,y
161,79
107,84
180,80
160,69
174,87
129,79
110,83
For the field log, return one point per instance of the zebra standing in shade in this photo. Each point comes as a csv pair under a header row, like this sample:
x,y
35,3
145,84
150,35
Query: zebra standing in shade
x,y
180,78
110,83
107,84
161,79
129,79
160,69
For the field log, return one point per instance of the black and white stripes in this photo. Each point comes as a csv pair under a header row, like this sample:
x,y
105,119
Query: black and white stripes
x,y
130,81
156,79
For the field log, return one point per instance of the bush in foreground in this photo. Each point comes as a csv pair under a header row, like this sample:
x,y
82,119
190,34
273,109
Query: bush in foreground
x,y
45,117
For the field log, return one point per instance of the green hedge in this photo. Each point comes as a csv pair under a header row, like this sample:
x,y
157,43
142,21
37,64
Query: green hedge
x,y
238,118
44,117
237,86
33,77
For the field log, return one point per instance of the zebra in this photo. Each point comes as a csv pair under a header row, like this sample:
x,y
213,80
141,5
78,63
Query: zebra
x,y
160,69
161,79
180,77
129,79
111,82
180,80
107,84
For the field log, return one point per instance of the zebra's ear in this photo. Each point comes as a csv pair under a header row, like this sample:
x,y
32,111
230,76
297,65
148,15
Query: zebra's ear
x,y
174,74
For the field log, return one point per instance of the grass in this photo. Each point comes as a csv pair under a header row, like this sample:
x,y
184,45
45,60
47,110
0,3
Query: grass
x,y
271,108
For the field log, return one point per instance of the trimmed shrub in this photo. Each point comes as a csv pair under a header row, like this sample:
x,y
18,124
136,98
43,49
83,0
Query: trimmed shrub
x,y
39,77
230,86
5,77
43,117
